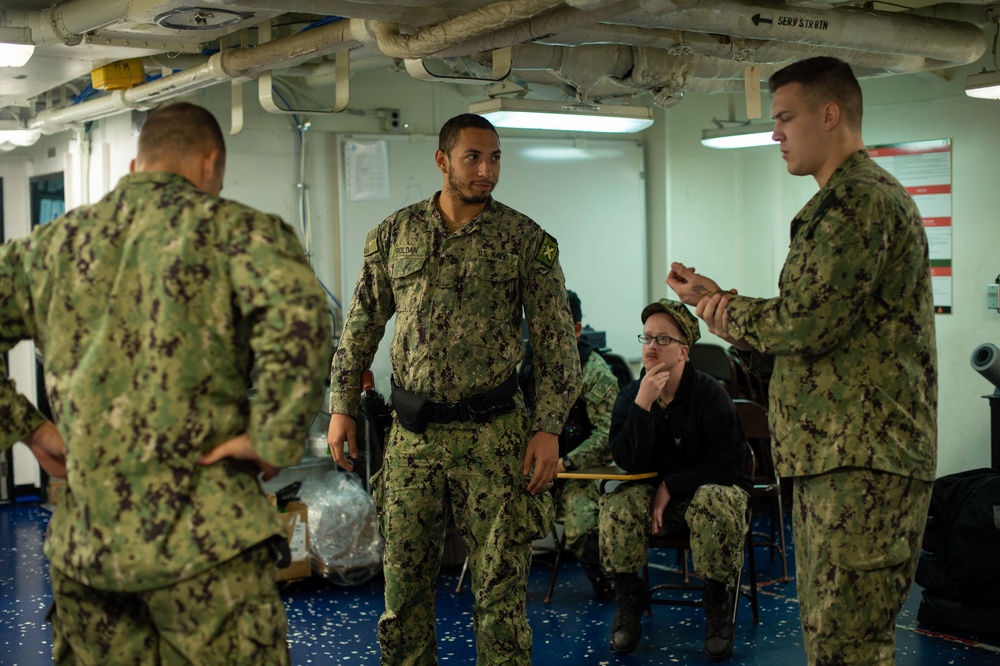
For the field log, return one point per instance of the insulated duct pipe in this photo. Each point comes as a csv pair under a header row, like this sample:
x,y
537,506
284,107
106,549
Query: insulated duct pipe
x,y
223,66
679,43
643,69
527,31
953,42
477,22
65,23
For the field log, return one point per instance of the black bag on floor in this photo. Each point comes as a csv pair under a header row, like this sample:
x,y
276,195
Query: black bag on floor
x,y
960,568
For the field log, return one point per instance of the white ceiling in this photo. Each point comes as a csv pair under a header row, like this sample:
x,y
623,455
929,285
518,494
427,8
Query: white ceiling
x,y
655,50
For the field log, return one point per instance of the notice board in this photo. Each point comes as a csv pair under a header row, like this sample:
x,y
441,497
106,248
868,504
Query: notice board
x,y
924,169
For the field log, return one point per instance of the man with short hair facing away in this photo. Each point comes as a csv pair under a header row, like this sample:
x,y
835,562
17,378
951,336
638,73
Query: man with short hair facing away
x,y
457,270
152,307
853,394
682,424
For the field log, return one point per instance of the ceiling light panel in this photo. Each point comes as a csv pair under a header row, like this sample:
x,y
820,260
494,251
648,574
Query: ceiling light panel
x,y
563,116
741,136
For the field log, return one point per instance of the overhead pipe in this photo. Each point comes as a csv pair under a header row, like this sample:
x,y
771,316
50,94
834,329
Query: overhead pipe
x,y
678,42
228,65
65,23
942,40
665,74
432,40
976,13
552,23
294,49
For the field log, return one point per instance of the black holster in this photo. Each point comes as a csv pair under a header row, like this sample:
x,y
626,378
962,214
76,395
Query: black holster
x,y
414,412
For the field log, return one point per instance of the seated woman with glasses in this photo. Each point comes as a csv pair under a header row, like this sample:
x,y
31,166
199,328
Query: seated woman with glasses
x,y
681,423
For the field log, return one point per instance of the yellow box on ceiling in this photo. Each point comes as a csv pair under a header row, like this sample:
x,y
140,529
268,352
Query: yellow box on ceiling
x,y
118,75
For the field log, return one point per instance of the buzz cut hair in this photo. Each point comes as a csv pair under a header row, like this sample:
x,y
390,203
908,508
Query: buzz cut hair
x,y
824,79
450,131
178,130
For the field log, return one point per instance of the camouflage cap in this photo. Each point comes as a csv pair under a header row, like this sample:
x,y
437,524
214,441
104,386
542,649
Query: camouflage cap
x,y
677,311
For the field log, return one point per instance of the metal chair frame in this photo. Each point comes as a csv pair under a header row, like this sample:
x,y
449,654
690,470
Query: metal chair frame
x,y
766,482
556,551
681,541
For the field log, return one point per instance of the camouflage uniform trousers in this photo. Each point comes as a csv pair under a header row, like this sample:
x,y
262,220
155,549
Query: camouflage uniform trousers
x,y
231,614
716,516
857,540
578,506
472,472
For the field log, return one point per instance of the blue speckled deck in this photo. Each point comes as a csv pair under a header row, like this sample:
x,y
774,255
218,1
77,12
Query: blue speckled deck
x,y
336,625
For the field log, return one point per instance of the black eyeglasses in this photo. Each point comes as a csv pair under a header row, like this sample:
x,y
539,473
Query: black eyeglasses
x,y
661,340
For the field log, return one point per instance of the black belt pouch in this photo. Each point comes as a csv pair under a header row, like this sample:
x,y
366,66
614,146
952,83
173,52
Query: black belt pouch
x,y
412,410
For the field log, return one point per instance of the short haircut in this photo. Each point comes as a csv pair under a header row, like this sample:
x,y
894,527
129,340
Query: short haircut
x,y
575,308
178,130
824,79
448,136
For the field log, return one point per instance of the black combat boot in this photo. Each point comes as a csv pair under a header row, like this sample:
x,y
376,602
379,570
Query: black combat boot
x,y
590,560
630,592
718,601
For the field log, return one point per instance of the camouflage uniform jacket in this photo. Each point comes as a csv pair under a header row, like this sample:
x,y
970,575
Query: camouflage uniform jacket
x,y
600,388
851,332
458,300
149,307
695,440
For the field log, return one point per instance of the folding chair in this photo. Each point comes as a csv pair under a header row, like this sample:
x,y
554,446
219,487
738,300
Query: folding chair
x,y
766,482
681,540
555,551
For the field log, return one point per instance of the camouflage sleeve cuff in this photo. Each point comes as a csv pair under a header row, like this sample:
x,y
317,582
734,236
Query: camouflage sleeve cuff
x,y
736,329
341,404
548,424
23,418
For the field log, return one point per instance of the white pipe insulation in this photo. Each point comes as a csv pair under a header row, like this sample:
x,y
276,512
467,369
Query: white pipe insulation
x,y
65,23
228,65
845,28
677,42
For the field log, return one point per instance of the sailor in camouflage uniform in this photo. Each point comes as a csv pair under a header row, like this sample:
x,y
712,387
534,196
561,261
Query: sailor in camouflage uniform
x,y
682,424
584,443
853,397
151,307
457,270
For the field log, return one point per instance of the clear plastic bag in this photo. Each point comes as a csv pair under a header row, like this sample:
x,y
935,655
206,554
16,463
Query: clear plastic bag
x,y
344,543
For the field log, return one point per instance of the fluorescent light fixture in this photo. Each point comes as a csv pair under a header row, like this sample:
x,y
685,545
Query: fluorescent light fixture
x,y
985,85
15,55
563,116
741,136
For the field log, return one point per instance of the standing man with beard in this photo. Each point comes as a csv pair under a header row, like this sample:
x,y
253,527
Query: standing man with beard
x,y
457,270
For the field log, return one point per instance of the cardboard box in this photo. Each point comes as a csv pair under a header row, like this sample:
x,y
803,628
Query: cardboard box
x,y
296,521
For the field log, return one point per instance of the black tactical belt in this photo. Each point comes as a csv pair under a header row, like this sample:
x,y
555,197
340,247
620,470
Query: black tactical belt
x,y
414,412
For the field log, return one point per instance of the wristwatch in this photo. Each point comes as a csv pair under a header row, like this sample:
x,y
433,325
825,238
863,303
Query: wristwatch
x,y
568,464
